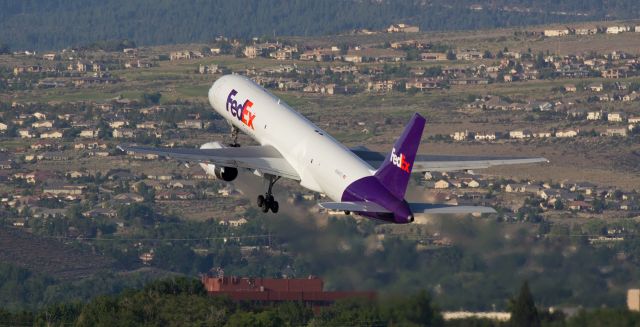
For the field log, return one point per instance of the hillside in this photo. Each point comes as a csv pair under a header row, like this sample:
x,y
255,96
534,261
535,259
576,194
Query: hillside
x,y
48,256
46,24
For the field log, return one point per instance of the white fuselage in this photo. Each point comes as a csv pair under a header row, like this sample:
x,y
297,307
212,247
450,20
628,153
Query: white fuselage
x,y
323,164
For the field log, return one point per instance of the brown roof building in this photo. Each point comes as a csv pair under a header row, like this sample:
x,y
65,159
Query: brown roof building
x,y
309,290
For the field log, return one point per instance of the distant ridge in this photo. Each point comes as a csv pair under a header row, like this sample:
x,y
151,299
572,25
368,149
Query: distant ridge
x,y
55,24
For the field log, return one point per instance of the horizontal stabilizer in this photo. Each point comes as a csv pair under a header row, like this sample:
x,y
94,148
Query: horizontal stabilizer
x,y
354,206
444,163
471,163
427,209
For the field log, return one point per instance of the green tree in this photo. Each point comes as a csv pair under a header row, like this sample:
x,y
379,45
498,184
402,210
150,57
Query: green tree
x,y
451,55
294,313
523,309
151,98
417,310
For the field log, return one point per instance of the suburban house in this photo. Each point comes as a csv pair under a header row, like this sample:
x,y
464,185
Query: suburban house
x,y
596,87
26,133
614,73
123,133
515,188
100,212
42,124
567,133
148,125
208,69
520,134
556,32
586,31
460,136
469,55
285,54
402,28
617,132
181,55
374,54
53,156
617,117
618,29
190,124
76,174
128,198
433,56
485,136
633,96
89,133
51,135
64,189
594,115
117,123
137,64
442,184
542,134
579,206
381,86
421,84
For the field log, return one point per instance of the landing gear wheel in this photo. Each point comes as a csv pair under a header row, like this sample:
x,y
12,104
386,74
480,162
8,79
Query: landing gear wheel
x,y
266,202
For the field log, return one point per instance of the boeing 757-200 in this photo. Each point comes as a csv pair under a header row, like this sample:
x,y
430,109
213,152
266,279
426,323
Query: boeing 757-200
x,y
360,181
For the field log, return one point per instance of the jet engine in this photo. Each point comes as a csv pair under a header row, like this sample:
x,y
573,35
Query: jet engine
x,y
226,174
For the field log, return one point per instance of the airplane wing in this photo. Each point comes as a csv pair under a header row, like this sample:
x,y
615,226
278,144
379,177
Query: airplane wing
x,y
443,163
427,209
265,159
354,206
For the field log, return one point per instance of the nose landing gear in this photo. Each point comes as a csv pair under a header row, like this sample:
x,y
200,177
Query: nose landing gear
x,y
234,137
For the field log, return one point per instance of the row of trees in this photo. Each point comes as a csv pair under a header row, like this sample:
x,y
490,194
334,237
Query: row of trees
x,y
477,263
182,301
46,24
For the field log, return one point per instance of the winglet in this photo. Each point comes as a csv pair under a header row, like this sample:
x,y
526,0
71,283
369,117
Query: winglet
x,y
395,171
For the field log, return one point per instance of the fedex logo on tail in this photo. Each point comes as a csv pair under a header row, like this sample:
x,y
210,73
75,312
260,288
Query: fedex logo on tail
x,y
242,111
400,161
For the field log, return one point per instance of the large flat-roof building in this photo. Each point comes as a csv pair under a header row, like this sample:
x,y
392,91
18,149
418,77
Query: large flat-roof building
x,y
308,290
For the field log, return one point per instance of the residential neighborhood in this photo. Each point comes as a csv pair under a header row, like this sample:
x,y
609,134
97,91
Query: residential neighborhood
x,y
508,93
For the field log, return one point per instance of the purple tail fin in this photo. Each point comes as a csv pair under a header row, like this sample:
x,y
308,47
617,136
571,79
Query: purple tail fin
x,y
395,171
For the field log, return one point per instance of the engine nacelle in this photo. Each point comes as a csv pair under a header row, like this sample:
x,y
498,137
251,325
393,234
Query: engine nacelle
x,y
226,174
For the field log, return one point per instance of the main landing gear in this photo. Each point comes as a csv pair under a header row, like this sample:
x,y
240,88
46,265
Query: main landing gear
x,y
266,201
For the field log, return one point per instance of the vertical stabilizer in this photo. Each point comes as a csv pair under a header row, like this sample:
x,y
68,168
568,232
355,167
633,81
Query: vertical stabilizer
x,y
395,171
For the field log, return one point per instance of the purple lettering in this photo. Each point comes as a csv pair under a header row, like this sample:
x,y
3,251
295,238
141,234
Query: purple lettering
x,y
230,100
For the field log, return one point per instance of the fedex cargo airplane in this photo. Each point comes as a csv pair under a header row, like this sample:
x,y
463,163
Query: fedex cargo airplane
x,y
357,180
